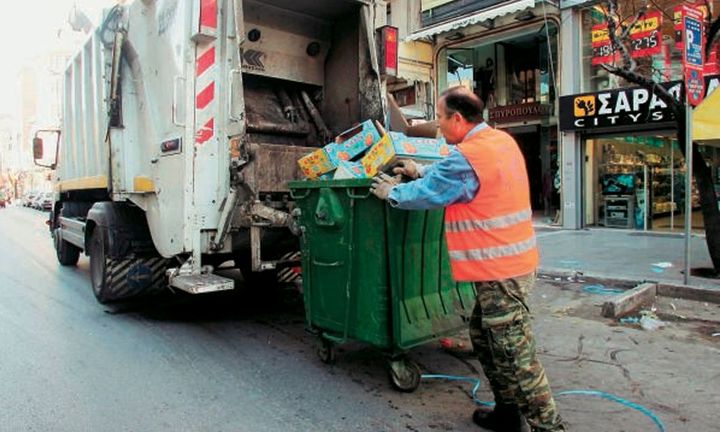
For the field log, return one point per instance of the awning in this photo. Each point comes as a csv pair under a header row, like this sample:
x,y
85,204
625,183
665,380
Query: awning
x,y
485,14
706,122
415,61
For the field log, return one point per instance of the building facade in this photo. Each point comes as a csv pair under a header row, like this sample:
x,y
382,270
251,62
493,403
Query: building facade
x,y
506,52
622,167
599,151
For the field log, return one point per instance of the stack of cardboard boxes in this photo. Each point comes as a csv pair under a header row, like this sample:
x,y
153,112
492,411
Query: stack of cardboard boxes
x,y
366,149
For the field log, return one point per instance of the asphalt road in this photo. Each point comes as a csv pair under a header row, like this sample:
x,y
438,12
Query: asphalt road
x,y
242,362
228,362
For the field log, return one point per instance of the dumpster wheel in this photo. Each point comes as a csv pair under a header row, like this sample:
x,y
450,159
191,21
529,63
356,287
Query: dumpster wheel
x,y
404,374
326,351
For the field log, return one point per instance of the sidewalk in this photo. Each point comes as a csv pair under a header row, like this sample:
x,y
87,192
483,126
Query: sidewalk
x,y
622,254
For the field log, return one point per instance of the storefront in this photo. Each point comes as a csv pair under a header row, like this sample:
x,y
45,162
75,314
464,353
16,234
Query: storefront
x,y
630,168
507,54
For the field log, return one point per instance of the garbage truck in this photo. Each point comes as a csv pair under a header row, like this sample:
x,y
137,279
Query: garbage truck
x,y
182,123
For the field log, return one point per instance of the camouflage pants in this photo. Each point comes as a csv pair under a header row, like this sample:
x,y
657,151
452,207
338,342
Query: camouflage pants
x,y
501,336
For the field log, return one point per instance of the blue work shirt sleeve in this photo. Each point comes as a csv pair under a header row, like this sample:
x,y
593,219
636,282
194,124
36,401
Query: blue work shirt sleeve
x,y
448,181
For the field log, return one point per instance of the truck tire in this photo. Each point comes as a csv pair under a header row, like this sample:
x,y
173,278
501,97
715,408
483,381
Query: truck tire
x,y
124,278
67,254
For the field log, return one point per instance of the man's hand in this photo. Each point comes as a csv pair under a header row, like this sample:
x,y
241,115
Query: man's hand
x,y
382,184
407,167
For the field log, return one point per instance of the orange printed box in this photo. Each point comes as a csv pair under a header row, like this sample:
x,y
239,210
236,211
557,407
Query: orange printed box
x,y
349,170
315,164
395,145
353,142
348,145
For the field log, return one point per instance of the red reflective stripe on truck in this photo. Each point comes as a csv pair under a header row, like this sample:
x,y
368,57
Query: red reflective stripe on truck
x,y
208,13
206,132
205,96
204,61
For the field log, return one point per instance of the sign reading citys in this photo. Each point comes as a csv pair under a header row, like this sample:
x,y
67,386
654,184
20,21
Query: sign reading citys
x,y
621,107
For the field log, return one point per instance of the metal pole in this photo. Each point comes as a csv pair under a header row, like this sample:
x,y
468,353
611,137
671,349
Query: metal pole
x,y
645,198
688,186
672,185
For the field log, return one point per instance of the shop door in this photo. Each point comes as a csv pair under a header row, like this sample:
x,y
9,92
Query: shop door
x,y
529,143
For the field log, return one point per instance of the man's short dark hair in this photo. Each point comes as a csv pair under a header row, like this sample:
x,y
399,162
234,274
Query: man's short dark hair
x,y
461,100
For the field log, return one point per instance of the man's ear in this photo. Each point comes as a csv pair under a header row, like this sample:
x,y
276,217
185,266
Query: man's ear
x,y
457,117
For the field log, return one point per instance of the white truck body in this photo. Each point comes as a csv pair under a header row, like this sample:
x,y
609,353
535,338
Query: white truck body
x,y
194,113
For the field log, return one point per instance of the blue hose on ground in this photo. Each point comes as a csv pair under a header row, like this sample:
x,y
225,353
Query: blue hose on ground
x,y
607,396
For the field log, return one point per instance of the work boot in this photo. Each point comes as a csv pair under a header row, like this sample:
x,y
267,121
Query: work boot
x,y
503,418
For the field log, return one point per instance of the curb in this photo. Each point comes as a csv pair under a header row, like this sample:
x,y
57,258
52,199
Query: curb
x,y
663,289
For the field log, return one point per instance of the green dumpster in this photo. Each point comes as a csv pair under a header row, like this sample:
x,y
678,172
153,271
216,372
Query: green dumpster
x,y
376,274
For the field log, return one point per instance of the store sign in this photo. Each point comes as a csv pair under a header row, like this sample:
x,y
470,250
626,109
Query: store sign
x,y
621,107
520,112
646,35
677,26
602,51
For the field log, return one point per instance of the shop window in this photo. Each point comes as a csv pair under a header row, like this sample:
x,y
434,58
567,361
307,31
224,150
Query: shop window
x,y
657,55
516,70
638,182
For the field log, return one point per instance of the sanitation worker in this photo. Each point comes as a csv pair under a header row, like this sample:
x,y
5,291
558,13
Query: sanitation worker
x,y
484,186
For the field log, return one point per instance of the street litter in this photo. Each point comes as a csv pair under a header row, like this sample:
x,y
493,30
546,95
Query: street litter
x,y
660,267
647,321
601,290
650,321
715,334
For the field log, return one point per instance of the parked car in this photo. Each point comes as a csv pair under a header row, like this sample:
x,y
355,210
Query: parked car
x,y
28,199
46,201
38,200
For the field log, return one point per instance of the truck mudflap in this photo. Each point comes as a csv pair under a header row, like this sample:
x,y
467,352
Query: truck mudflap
x,y
132,277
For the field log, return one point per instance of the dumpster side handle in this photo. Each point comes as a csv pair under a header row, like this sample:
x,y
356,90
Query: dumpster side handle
x,y
351,194
330,264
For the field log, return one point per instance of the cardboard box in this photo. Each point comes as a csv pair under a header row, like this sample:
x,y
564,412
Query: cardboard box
x,y
349,170
348,145
316,164
395,145
352,142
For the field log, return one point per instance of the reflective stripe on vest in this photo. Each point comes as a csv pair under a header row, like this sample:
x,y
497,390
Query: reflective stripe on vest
x,y
491,237
489,224
494,252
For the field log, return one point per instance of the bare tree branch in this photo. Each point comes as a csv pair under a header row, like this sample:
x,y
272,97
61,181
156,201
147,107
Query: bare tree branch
x,y
638,15
653,87
613,21
667,15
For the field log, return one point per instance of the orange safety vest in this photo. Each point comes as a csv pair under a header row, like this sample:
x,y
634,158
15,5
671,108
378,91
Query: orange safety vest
x,y
492,237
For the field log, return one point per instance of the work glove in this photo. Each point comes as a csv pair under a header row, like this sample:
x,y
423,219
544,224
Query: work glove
x,y
382,185
408,168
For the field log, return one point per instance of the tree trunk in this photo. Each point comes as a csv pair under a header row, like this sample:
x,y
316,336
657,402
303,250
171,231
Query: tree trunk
x,y
708,201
